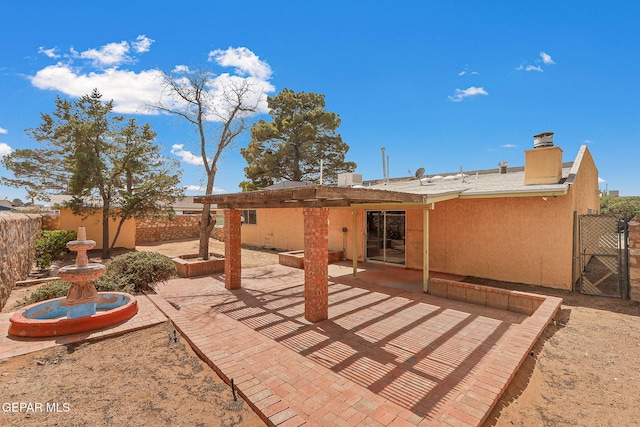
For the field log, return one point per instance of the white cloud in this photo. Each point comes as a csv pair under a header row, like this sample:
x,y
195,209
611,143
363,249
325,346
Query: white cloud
x,y
4,149
601,180
51,53
509,145
181,69
546,59
128,89
185,155
134,91
522,67
142,44
587,141
3,131
466,71
109,55
465,93
244,61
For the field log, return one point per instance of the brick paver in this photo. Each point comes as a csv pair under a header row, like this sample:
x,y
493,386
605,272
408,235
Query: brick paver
x,y
388,354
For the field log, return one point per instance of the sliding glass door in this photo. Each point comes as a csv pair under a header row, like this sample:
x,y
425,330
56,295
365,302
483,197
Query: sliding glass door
x,y
386,236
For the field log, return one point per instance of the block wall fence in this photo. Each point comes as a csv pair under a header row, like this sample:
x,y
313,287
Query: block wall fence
x,y
154,229
17,249
634,258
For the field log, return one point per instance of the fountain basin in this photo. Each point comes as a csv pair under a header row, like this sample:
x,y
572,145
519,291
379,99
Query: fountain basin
x,y
48,318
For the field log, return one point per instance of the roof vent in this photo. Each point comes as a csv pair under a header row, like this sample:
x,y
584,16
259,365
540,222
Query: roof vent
x,y
543,139
503,166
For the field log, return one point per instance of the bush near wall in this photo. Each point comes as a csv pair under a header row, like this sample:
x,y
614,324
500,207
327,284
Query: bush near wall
x,y
17,249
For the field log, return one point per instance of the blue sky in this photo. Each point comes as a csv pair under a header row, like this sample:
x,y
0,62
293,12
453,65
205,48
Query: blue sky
x,y
441,85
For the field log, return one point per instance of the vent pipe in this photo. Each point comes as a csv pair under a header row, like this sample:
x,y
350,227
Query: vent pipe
x,y
384,167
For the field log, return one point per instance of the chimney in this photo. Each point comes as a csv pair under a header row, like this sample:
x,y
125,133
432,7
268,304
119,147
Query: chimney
x,y
503,166
543,164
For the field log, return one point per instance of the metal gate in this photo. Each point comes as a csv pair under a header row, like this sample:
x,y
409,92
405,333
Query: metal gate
x,y
604,256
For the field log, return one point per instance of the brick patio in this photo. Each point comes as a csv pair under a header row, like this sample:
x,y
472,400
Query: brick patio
x,y
388,354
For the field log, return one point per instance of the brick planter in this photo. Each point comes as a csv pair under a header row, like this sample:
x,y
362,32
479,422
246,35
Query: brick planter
x,y
191,266
296,258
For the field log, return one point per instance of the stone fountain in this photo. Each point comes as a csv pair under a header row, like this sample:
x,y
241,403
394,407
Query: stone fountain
x,y
82,297
83,309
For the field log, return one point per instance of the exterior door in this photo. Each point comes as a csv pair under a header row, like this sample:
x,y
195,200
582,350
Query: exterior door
x,y
386,232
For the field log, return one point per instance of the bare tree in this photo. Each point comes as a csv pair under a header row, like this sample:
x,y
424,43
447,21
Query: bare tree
x,y
202,101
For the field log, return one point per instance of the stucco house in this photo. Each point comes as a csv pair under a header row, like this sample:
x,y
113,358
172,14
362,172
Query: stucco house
x,y
513,224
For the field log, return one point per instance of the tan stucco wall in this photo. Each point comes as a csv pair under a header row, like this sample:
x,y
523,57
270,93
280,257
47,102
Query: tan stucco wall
x,y
93,224
284,229
521,239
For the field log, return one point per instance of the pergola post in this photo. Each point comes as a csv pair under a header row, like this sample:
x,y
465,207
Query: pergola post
x,y
425,250
232,243
316,278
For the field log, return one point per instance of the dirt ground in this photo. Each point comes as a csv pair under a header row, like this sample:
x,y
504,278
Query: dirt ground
x,y
584,371
142,378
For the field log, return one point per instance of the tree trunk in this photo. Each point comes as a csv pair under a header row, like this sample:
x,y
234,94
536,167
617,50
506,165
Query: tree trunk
x,y
115,238
105,232
206,225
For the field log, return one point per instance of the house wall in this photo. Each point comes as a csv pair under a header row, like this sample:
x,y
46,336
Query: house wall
x,y
284,229
519,239
93,224
516,239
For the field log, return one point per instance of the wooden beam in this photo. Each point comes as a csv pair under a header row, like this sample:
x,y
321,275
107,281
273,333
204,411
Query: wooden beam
x,y
320,194
285,204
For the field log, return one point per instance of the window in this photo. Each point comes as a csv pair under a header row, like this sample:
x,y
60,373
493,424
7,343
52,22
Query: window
x,y
250,217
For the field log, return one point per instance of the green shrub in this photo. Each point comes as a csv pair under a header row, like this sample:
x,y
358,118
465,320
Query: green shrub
x,y
136,271
50,290
52,245
130,273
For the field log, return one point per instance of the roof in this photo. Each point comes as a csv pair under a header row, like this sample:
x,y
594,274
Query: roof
x,y
406,191
481,183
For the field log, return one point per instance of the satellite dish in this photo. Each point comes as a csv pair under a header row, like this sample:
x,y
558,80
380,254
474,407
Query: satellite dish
x,y
420,174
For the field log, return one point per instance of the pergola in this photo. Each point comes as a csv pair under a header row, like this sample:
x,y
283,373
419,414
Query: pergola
x,y
316,202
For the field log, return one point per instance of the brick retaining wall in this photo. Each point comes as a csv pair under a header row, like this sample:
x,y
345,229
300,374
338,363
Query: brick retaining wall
x,y
17,249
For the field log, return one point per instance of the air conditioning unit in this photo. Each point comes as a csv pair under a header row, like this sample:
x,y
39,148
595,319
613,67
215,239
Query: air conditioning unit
x,y
349,179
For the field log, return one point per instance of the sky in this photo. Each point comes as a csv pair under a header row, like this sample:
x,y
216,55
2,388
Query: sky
x,y
441,85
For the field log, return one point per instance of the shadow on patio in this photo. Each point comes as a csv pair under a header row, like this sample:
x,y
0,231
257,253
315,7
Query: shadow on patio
x,y
432,356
